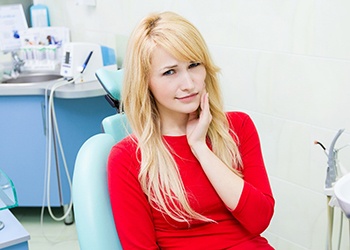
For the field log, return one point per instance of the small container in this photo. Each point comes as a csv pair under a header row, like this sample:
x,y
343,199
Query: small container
x,y
39,15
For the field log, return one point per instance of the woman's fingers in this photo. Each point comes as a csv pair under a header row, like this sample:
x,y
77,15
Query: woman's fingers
x,y
205,113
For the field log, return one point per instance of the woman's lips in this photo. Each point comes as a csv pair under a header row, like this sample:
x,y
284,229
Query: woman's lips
x,y
188,97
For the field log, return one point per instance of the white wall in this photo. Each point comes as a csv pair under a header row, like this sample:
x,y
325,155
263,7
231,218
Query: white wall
x,y
284,62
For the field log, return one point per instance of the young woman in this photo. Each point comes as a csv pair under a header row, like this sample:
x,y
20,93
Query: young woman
x,y
190,176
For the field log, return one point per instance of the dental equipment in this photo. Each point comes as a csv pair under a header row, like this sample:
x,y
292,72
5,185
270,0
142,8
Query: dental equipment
x,y
81,60
83,67
53,138
88,57
332,175
332,164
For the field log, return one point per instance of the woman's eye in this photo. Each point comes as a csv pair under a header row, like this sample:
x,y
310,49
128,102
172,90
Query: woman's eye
x,y
169,72
194,64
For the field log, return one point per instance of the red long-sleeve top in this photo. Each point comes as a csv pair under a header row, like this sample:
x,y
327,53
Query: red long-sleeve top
x,y
140,226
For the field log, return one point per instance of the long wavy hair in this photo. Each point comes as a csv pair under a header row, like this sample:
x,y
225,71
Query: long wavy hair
x,y
159,176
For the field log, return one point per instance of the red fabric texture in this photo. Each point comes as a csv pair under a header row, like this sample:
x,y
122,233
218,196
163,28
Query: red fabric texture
x,y
140,226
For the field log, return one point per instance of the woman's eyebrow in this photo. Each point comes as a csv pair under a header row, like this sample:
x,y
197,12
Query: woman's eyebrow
x,y
168,67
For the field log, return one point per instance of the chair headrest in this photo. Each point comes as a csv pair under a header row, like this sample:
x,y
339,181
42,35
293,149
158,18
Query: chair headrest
x,y
111,80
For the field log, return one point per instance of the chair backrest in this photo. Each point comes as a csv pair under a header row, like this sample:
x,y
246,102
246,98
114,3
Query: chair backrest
x,y
92,210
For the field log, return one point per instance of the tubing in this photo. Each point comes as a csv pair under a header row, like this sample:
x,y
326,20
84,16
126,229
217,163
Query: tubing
x,y
330,211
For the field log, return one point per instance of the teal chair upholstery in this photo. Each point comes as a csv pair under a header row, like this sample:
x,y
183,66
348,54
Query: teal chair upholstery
x,y
116,125
111,80
92,210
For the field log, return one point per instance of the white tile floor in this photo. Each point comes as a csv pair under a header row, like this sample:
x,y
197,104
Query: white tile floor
x,y
51,234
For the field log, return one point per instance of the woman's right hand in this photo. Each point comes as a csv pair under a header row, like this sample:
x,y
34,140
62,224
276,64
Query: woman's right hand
x,y
197,126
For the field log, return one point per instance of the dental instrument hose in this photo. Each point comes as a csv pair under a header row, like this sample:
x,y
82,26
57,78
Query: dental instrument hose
x,y
52,118
51,123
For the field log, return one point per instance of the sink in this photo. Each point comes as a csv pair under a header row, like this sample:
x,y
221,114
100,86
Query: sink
x,y
342,193
33,78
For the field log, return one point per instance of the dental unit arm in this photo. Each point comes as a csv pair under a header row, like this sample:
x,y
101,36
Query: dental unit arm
x,y
331,185
332,172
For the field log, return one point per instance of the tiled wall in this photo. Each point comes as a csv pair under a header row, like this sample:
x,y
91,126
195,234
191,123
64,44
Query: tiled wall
x,y
284,62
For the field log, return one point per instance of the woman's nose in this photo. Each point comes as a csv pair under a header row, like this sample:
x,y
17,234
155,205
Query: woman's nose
x,y
187,81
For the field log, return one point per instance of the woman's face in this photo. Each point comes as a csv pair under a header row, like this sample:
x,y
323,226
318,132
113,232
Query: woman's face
x,y
176,85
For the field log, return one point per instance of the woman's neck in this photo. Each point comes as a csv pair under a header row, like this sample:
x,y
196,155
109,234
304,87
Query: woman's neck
x,y
174,125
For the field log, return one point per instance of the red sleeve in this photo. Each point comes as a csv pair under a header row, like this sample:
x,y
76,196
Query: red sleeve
x,y
256,205
130,207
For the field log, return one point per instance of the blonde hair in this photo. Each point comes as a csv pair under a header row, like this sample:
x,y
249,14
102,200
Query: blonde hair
x,y
159,176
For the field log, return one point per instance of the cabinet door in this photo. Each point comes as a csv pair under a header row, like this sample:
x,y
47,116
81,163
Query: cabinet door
x,y
23,149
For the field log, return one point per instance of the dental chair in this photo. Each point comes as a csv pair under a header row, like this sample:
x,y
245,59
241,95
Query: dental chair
x,y
92,210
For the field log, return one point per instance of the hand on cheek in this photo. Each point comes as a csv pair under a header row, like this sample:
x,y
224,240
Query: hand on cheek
x,y
197,127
